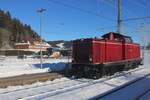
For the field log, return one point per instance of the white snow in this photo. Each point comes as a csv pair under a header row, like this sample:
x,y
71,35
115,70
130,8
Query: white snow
x,y
100,88
60,45
131,92
11,66
54,90
147,57
57,89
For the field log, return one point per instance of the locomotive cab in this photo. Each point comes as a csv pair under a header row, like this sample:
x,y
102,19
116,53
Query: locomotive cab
x,y
117,37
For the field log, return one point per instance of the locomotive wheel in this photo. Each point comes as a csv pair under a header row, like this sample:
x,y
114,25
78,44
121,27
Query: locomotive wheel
x,y
111,70
98,72
98,75
128,66
120,68
105,71
135,64
115,69
77,71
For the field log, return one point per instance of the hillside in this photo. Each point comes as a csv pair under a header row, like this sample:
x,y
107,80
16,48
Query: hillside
x,y
61,44
13,30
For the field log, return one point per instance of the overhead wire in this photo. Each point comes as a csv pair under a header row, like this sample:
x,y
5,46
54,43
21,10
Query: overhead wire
x,y
106,27
125,11
98,6
136,18
137,3
80,9
97,14
142,3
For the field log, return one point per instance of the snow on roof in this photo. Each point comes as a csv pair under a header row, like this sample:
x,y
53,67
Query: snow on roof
x,y
27,43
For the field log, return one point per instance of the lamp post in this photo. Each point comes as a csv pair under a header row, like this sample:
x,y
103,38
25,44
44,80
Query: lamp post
x,y
41,11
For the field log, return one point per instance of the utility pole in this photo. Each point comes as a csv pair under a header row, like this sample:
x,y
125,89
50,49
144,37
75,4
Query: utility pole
x,y
41,58
118,17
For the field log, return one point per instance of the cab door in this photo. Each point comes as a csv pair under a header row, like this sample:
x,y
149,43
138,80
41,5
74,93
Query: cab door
x,y
96,53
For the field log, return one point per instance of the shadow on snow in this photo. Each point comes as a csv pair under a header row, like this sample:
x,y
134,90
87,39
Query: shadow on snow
x,y
52,67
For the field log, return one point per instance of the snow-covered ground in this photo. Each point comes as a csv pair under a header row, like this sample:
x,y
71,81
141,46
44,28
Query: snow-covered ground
x,y
147,57
66,89
11,66
82,89
132,92
103,87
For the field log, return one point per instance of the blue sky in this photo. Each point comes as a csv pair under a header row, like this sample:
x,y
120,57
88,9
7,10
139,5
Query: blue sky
x,y
65,23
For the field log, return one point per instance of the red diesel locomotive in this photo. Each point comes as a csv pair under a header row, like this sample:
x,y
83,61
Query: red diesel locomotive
x,y
95,57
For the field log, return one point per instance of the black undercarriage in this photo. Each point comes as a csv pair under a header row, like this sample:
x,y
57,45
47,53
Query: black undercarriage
x,y
99,70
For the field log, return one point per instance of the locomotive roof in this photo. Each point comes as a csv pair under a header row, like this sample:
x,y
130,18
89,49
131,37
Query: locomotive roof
x,y
120,35
104,36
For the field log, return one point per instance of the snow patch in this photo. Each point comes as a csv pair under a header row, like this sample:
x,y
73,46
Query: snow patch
x,y
60,45
11,66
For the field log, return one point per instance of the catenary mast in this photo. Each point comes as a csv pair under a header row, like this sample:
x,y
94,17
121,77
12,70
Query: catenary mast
x,y
118,17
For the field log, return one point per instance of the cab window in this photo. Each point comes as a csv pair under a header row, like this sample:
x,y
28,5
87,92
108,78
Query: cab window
x,y
117,38
128,40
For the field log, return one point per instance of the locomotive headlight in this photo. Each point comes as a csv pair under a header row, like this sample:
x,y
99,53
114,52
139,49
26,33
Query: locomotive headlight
x,y
73,60
90,59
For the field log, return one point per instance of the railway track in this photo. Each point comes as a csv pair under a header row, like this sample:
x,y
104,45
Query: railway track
x,y
52,87
57,87
101,96
73,86
139,97
28,79
53,83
